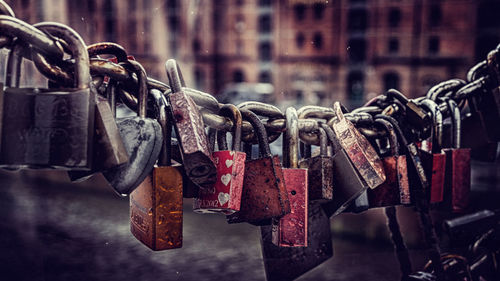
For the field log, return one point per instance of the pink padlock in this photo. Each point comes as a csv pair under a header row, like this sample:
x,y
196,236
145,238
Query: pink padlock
x,y
225,196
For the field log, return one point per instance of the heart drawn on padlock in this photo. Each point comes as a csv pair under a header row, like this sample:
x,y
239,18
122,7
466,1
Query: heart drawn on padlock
x,y
229,163
223,198
225,179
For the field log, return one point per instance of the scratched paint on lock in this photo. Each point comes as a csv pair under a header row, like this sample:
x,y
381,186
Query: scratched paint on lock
x,y
225,195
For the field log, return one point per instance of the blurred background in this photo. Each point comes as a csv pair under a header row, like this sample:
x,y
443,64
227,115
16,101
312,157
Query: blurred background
x,y
288,52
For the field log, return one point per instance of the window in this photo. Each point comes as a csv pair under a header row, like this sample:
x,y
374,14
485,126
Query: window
x,y
435,15
318,40
265,23
391,81
109,20
240,2
199,78
355,86
264,3
299,40
357,50
196,45
433,47
238,76
394,17
318,9
357,20
265,51
265,77
393,45
299,11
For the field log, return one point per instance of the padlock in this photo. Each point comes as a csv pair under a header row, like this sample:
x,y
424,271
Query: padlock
x,y
416,118
359,150
50,128
264,193
225,196
395,190
142,138
190,132
433,158
347,182
156,204
291,229
457,182
288,263
319,172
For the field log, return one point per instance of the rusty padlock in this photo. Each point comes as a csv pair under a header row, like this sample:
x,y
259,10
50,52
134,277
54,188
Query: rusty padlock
x,y
457,181
320,172
288,263
347,182
395,190
264,193
433,158
359,150
225,196
156,204
190,132
291,229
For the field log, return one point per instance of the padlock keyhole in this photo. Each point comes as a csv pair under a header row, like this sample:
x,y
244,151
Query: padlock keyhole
x,y
293,192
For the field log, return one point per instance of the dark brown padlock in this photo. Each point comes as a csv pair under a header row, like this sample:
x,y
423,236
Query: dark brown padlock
x,y
433,158
395,190
320,172
50,128
264,193
359,150
457,182
190,131
291,229
288,263
156,204
347,182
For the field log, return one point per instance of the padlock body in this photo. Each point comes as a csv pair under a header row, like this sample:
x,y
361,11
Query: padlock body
x,y
291,229
347,184
143,139
320,177
434,164
486,105
156,209
264,193
190,131
395,190
288,263
44,128
225,196
458,179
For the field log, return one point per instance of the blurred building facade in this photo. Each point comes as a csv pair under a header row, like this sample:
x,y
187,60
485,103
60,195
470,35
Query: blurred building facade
x,y
312,51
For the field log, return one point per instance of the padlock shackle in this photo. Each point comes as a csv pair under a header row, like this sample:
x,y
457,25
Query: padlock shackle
x,y
111,96
395,94
260,130
165,158
391,135
323,142
139,70
212,132
231,111
108,48
456,123
291,139
262,109
14,60
332,137
175,78
437,120
13,27
5,9
78,50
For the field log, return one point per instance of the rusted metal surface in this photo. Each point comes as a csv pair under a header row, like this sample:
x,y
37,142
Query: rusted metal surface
x,y
197,158
225,195
404,182
156,209
458,180
264,193
434,164
395,190
288,263
359,150
291,229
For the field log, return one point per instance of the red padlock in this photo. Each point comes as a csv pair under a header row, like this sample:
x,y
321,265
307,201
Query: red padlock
x,y
291,229
225,196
